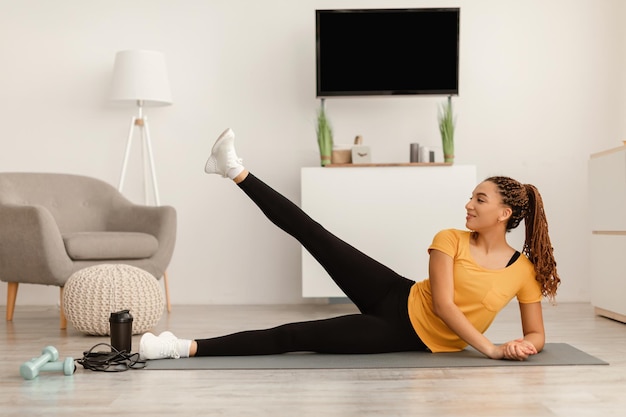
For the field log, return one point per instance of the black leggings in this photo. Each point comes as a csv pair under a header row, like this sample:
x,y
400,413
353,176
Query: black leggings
x,y
379,293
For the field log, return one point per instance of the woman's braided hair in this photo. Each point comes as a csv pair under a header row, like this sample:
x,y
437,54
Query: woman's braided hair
x,y
526,204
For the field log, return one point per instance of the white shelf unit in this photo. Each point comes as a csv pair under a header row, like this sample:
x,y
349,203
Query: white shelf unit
x,y
607,198
389,212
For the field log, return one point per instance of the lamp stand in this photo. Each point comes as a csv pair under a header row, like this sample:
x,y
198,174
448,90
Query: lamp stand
x,y
141,122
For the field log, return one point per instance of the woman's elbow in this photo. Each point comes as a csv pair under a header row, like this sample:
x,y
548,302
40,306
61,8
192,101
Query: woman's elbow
x,y
537,339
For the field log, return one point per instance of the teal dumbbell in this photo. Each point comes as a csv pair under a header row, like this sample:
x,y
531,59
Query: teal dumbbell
x,y
47,362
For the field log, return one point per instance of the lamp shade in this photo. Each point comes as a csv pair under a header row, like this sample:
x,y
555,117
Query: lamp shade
x,y
140,75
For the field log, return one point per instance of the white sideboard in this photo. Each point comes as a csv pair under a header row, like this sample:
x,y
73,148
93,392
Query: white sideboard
x,y
391,213
607,197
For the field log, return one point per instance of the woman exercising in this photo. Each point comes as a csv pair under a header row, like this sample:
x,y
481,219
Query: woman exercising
x,y
472,276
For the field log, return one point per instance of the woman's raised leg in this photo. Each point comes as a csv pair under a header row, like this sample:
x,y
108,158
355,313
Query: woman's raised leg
x,y
364,280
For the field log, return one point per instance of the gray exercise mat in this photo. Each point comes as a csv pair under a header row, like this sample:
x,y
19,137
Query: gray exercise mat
x,y
553,354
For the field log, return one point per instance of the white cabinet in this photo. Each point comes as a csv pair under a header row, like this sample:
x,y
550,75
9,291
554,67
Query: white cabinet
x,y
391,213
607,194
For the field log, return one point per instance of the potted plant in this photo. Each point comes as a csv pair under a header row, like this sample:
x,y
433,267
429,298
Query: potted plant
x,y
324,136
447,123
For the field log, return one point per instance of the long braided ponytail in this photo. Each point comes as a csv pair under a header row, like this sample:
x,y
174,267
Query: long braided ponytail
x,y
526,204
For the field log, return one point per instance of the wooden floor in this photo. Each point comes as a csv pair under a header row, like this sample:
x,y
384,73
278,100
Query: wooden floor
x,y
567,391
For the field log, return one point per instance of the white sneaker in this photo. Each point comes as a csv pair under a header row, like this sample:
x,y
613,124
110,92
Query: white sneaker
x,y
165,346
223,159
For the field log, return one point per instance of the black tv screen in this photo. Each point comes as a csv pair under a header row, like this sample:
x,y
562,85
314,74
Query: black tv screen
x,y
387,51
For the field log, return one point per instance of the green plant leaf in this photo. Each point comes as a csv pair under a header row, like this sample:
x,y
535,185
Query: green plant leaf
x,y
324,136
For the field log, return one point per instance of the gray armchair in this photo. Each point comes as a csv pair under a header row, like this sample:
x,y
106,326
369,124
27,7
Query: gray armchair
x,y
52,225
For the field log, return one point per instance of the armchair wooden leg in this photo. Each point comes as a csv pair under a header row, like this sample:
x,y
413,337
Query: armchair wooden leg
x,y
62,318
11,296
167,292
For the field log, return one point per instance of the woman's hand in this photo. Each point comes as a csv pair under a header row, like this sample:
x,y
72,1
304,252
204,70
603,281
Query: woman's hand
x,y
515,350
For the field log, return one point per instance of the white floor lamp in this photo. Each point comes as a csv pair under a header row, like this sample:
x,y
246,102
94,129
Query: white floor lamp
x,y
140,76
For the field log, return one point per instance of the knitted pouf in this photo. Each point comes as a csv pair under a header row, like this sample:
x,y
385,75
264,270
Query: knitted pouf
x,y
92,294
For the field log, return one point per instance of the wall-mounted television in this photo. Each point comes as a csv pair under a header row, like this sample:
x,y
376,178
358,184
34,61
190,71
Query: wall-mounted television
x,y
369,52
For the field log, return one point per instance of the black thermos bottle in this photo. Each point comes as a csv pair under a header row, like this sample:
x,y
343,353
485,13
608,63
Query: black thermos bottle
x,y
121,326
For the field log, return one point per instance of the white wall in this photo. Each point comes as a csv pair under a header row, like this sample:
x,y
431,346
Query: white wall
x,y
541,88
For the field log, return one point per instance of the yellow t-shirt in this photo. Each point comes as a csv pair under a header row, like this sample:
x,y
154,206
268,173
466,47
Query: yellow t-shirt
x,y
478,292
